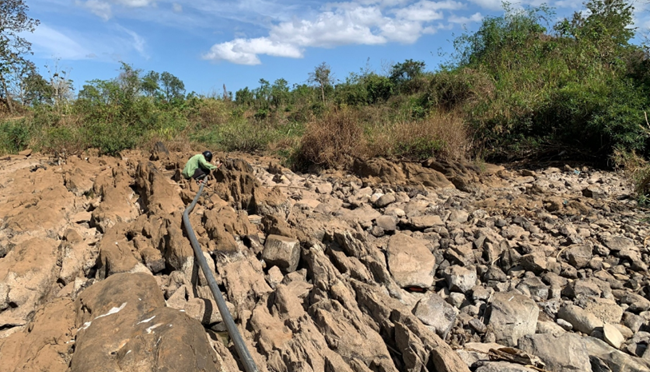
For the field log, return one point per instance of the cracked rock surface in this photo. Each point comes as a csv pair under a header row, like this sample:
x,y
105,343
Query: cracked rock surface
x,y
397,267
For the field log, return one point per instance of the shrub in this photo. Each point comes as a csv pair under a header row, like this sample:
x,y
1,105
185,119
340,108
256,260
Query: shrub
x,y
14,136
333,141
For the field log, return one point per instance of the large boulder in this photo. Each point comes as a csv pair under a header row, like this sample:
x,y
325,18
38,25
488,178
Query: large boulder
x,y
511,317
27,274
45,344
563,353
436,313
282,252
156,192
124,325
410,262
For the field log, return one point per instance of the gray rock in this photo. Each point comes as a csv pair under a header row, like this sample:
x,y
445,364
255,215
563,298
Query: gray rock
x,y
503,367
460,279
535,288
612,336
593,192
579,255
385,200
435,312
410,262
324,188
582,288
617,243
562,353
549,327
386,223
282,252
604,309
478,325
633,321
535,262
564,324
424,222
512,316
581,320
616,360
637,303
458,215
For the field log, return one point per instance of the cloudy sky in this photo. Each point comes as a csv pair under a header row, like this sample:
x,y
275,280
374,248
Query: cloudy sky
x,y
208,43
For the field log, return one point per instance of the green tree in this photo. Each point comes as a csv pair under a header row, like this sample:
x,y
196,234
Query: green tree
x,y
151,83
172,87
404,75
14,22
322,78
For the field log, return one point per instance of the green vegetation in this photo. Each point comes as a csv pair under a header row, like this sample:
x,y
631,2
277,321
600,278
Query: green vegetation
x,y
516,88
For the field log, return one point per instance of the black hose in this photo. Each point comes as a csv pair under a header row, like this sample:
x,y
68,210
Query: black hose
x,y
233,331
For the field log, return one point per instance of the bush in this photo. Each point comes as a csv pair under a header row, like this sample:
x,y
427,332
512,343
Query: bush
x,y
439,135
14,136
333,141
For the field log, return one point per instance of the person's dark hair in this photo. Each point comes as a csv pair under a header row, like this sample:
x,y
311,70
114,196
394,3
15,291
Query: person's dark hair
x,y
207,155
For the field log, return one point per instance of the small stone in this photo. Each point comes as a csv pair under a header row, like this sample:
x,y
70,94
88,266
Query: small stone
x,y
579,255
385,200
459,216
612,336
580,320
456,299
274,277
535,262
386,223
564,324
425,222
282,251
549,327
460,279
593,192
324,188
512,316
618,243
410,262
477,325
435,312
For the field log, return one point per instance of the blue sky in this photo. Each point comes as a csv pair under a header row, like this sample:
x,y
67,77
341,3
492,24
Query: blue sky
x,y
208,43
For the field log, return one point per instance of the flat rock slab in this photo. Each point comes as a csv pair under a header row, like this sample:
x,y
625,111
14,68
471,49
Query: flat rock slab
x,y
125,326
560,354
512,316
435,312
282,252
410,262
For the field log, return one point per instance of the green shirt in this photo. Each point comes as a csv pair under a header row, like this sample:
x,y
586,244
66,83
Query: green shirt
x,y
194,163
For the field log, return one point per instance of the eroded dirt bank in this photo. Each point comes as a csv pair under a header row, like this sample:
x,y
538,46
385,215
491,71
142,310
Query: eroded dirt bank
x,y
409,267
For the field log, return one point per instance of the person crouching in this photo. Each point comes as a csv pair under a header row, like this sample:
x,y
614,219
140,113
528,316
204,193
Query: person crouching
x,y
199,166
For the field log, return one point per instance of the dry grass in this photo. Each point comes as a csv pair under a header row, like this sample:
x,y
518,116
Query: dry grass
x,y
636,168
441,134
334,140
341,136
212,112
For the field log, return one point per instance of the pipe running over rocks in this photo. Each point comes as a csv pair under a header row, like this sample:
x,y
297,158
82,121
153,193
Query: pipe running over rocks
x,y
233,331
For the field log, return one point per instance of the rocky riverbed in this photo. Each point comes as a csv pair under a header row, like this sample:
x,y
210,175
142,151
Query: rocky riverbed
x,y
395,267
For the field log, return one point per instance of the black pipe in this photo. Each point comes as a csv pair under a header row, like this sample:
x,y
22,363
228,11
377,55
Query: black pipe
x,y
233,331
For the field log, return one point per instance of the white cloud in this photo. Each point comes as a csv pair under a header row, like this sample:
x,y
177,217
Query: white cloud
x,y
476,17
425,11
177,8
489,4
245,51
364,22
97,7
48,41
137,41
104,8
